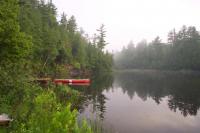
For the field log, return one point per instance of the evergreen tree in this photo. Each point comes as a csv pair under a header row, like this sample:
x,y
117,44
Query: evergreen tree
x,y
101,38
71,25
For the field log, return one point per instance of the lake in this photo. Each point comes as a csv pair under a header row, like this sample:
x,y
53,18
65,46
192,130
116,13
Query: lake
x,y
144,102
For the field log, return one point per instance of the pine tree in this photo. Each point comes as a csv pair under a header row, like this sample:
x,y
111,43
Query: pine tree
x,y
101,38
71,25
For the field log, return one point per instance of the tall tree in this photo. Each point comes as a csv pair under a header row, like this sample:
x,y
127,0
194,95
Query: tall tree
x,y
101,38
63,20
71,25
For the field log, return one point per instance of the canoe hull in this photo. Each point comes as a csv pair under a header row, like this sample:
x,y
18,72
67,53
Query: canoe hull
x,y
67,81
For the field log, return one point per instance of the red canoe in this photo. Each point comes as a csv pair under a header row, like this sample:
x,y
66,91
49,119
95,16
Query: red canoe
x,y
66,81
79,84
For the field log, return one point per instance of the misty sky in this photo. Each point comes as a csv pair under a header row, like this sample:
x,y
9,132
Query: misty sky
x,y
134,20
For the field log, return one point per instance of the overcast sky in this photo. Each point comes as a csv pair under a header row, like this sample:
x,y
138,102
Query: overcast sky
x,y
134,20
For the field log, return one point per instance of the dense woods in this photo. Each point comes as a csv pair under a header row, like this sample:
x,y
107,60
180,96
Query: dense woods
x,y
33,44
182,52
60,43
37,43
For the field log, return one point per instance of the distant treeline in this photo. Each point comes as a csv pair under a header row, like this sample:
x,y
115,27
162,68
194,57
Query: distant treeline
x,y
182,52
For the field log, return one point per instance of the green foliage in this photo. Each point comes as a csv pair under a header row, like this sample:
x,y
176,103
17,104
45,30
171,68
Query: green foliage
x,y
15,48
49,116
59,43
181,52
66,95
14,45
77,65
61,71
34,44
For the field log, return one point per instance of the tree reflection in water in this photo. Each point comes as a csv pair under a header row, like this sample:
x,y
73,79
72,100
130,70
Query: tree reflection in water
x,y
182,90
94,93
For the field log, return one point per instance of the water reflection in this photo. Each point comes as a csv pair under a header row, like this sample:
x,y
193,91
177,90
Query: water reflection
x,y
93,93
145,101
183,90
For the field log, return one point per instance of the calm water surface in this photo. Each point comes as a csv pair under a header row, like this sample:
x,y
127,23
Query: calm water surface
x,y
145,102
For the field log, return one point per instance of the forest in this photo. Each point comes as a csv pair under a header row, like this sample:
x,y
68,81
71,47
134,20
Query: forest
x,y
181,52
35,43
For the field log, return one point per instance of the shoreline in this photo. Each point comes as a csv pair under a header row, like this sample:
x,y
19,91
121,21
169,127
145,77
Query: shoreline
x,y
157,71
